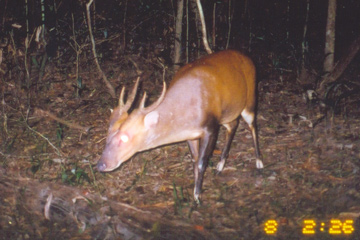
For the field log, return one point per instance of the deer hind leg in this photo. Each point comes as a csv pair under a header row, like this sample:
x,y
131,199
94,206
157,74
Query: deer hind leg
x,y
249,118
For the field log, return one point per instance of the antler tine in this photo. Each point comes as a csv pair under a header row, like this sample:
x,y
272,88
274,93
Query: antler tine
x,y
160,99
142,103
131,97
121,99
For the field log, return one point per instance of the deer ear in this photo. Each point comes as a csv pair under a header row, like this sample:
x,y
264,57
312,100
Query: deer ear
x,y
151,119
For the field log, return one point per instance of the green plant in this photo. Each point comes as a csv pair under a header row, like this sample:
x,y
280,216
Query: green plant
x,y
74,176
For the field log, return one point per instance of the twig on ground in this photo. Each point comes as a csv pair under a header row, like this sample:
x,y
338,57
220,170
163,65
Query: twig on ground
x,y
43,113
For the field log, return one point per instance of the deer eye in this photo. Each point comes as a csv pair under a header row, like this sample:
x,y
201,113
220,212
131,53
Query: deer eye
x,y
124,138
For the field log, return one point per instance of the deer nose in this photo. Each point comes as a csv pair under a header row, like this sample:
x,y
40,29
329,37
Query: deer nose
x,y
101,166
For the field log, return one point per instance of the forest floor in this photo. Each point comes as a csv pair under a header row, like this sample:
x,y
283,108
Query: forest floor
x,y
311,171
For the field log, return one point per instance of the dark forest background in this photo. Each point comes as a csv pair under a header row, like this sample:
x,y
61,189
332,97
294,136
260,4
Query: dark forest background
x,y
258,26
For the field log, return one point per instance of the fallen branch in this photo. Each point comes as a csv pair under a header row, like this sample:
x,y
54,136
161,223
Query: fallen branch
x,y
42,113
47,210
340,66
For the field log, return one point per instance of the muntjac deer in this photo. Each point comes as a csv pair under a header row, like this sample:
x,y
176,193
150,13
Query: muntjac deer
x,y
212,91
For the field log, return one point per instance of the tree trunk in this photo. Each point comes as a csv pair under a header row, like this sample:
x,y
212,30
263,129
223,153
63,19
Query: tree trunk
x,y
178,33
330,37
341,65
106,81
193,8
203,27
